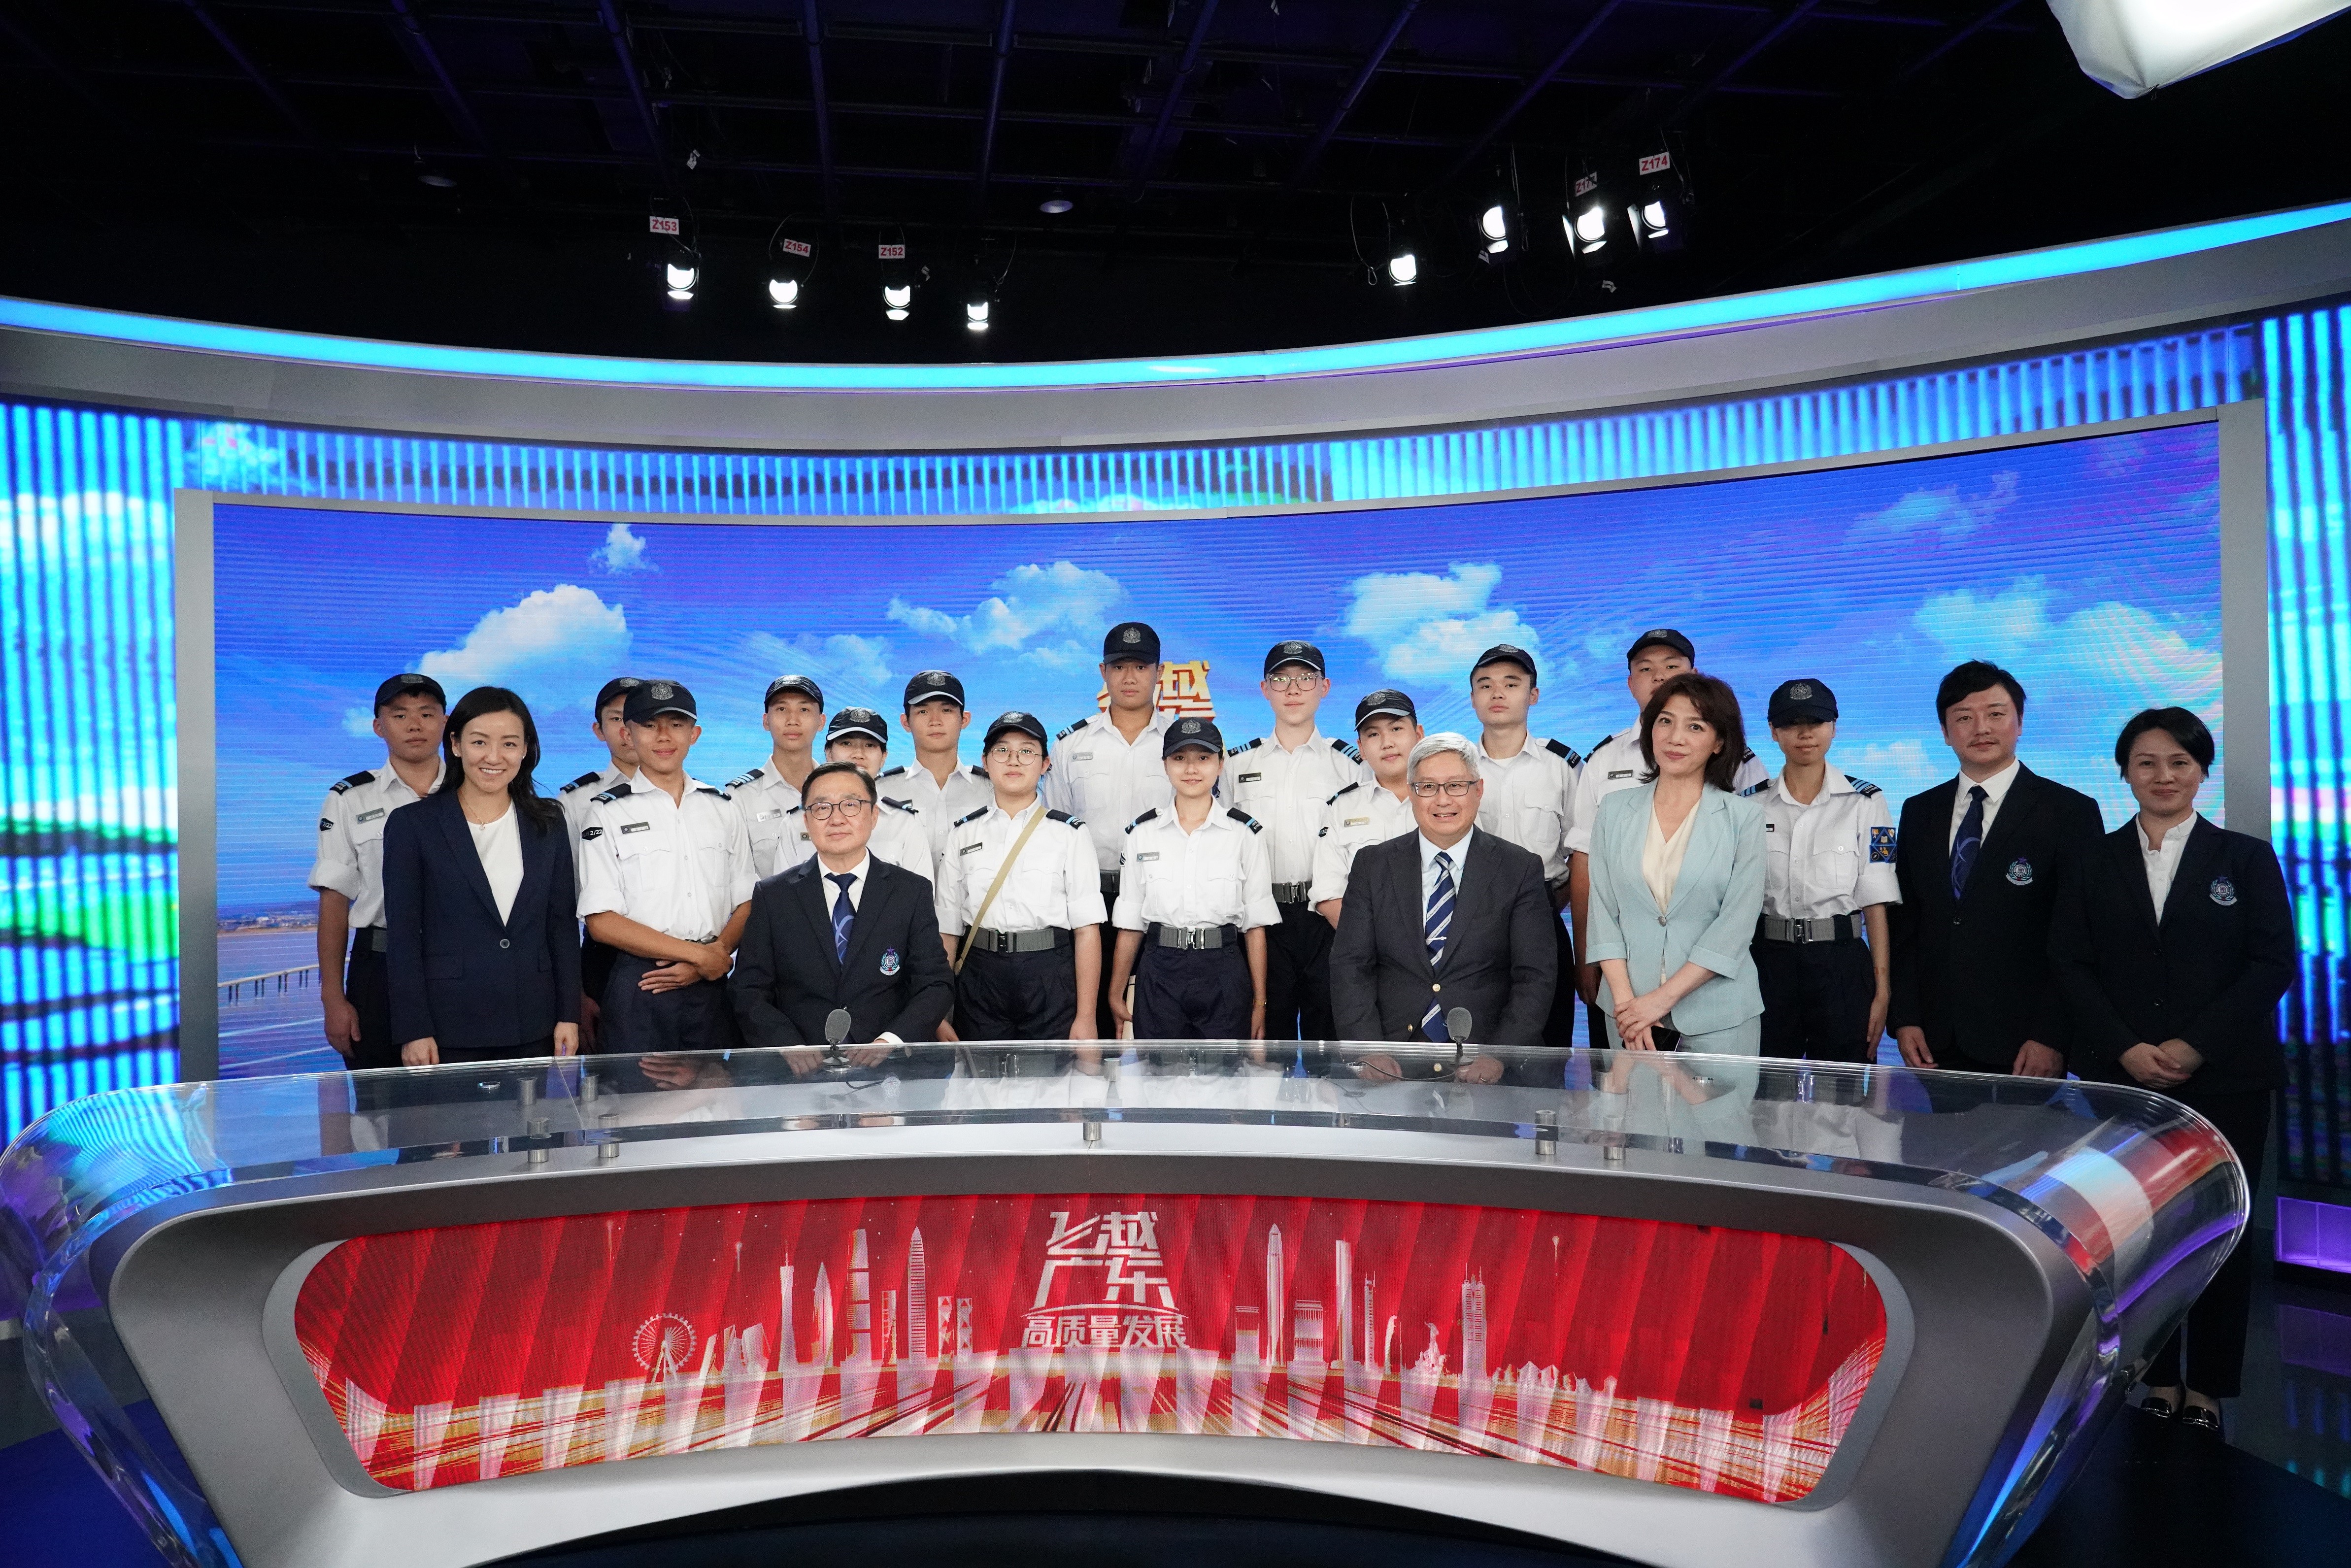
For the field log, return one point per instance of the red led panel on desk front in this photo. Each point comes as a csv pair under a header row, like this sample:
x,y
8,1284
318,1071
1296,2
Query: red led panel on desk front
x,y
1724,1361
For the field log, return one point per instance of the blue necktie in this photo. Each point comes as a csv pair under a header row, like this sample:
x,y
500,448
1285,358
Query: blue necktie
x,y
1969,843
845,914
1434,925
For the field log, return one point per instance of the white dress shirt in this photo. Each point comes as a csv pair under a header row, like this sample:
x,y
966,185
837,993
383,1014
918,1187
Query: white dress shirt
x,y
966,792
1529,799
861,873
1358,815
681,866
767,803
1459,854
1615,764
499,845
2163,861
1995,788
350,838
1828,858
1286,790
575,796
1107,780
1220,873
1055,882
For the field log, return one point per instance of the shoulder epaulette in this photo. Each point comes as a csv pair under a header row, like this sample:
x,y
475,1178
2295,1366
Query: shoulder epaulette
x,y
1604,740
1564,752
1345,788
1244,745
1755,789
361,776
712,789
1344,749
587,778
893,772
1244,819
978,772
900,805
969,817
1862,786
1147,817
618,791
1064,735
1747,754
740,779
1065,817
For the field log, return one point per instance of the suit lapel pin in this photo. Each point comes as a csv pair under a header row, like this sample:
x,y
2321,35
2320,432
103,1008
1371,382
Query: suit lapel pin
x,y
2224,891
2020,872
890,961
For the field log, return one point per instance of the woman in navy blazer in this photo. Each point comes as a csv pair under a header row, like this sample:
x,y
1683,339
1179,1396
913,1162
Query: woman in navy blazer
x,y
483,945
2171,945
1678,969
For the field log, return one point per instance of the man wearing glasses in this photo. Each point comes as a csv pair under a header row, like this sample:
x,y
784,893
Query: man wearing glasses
x,y
1284,780
1444,917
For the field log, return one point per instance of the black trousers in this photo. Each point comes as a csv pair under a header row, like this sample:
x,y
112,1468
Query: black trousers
x,y
367,985
1018,996
1201,995
1559,1029
692,1017
1105,1026
2212,1341
1297,979
1816,998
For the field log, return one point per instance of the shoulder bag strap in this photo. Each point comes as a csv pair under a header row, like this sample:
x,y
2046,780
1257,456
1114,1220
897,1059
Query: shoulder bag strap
x,y
995,887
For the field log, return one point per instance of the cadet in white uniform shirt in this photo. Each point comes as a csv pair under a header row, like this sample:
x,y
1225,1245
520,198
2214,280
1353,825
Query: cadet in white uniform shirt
x,y
610,726
354,989
1105,769
1387,726
1195,897
937,784
859,737
1655,657
1530,788
1820,949
1031,964
1284,780
792,714
665,877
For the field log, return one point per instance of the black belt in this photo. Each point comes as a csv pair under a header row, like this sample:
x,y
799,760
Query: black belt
x,y
1109,886
371,940
1797,933
1194,938
1292,891
1043,939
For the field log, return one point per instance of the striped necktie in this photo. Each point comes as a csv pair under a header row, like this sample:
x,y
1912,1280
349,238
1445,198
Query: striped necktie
x,y
1433,924
1967,843
845,914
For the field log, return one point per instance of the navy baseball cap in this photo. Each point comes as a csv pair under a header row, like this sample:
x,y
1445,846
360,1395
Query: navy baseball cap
x,y
1388,702
409,685
1801,702
790,685
619,685
1184,732
1131,642
1294,653
648,700
1014,721
1506,654
929,686
1661,637
861,721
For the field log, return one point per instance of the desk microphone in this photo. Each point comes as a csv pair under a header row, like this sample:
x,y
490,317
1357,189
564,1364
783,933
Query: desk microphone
x,y
1456,1026
836,1027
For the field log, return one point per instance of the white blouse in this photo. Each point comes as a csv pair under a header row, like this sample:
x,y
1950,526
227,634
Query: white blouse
x,y
1661,857
499,844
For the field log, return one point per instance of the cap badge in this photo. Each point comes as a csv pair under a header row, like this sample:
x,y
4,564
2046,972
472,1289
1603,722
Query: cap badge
x,y
1131,636
663,691
2224,891
1801,692
411,680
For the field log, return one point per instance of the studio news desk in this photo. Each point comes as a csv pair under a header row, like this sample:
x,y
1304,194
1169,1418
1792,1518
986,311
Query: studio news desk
x,y
1689,1309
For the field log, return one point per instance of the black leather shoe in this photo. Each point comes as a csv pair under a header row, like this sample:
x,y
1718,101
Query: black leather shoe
x,y
2157,1406
2201,1419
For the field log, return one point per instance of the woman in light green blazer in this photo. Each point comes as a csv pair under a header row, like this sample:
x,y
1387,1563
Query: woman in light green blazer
x,y
1677,882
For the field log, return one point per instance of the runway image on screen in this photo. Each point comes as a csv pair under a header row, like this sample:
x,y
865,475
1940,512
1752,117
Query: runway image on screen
x,y
2090,567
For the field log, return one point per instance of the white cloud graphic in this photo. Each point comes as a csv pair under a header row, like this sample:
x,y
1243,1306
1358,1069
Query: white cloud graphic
x,y
2121,648
862,661
1945,512
1429,628
2003,626
620,553
555,647
1029,602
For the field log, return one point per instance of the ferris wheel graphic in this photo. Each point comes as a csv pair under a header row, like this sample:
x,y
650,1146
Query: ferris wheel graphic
x,y
663,1345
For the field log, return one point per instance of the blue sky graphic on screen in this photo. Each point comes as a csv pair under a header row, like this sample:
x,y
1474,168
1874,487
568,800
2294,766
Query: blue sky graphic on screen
x,y
2090,567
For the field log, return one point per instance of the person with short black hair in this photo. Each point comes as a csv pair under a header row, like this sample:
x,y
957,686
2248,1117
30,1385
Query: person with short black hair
x,y
1981,859
792,713
936,784
479,901
2172,942
1530,795
354,991
860,737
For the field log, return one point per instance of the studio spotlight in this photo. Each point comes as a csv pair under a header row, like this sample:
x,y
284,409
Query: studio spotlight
x,y
1592,222
1494,224
978,309
789,262
1055,204
897,284
680,273
1660,210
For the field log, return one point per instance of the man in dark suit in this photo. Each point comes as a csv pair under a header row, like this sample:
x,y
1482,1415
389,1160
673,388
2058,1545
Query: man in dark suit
x,y
841,929
1441,918
1981,859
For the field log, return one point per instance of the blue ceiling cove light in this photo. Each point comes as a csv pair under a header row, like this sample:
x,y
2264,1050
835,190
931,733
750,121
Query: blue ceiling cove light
x,y
1695,316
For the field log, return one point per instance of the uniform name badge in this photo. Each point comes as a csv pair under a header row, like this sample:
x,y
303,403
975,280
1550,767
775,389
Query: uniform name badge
x,y
971,849
1355,821
1881,846
890,961
2224,891
2020,873
1620,773
369,816
1248,779
1148,855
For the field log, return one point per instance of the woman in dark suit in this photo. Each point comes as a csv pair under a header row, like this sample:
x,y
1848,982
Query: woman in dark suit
x,y
483,939
2171,946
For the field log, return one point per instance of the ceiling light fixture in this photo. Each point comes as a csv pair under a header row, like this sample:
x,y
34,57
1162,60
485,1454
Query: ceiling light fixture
x,y
682,273
789,262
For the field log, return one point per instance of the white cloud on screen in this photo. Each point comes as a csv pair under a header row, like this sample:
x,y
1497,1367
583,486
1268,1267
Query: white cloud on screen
x,y
862,661
1945,512
359,721
1428,628
1062,601
555,647
621,552
2000,626
2122,649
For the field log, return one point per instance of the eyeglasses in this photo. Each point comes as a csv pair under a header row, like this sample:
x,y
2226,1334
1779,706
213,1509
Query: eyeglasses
x,y
1452,789
850,810
1015,756
1292,682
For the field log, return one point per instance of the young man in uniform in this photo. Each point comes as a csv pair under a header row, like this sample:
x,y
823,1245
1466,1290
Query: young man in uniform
x,y
665,877
937,784
1529,790
1822,953
610,726
1105,768
1655,657
1285,780
793,716
1031,954
861,737
410,710
1387,726
1195,899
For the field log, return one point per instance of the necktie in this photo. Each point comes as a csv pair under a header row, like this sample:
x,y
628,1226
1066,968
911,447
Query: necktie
x,y
845,914
1434,925
1969,843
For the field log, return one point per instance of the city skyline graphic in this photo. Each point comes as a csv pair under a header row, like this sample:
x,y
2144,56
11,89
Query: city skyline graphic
x,y
1720,1361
